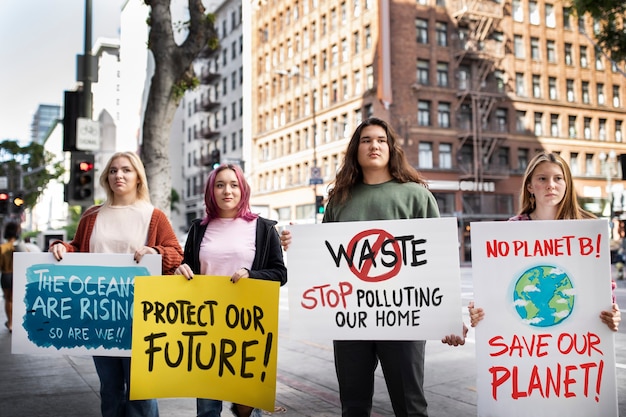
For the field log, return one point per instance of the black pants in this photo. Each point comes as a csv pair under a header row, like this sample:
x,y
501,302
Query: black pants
x,y
402,363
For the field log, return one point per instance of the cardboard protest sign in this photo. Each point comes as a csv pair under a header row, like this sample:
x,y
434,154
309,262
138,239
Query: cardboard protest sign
x,y
205,338
81,305
541,348
382,280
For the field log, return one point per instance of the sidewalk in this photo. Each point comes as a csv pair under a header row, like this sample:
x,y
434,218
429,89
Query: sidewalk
x,y
68,386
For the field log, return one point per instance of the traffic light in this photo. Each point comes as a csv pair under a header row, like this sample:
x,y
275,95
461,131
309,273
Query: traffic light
x,y
4,202
215,158
72,108
80,187
17,203
319,204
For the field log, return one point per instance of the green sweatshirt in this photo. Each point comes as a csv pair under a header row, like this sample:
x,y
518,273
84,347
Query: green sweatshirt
x,y
387,201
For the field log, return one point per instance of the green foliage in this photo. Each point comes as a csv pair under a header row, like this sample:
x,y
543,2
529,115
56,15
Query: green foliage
x,y
179,88
611,14
75,212
36,167
174,200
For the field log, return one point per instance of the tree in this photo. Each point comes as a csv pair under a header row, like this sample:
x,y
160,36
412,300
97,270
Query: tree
x,y
173,75
25,169
611,15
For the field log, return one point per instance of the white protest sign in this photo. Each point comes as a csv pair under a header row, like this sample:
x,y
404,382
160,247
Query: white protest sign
x,y
541,348
378,280
81,305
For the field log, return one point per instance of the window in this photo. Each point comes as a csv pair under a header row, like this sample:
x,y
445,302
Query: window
x,y
584,62
422,71
552,91
573,163
569,87
445,156
443,115
569,60
589,164
518,11
602,129
571,127
618,131
368,37
534,49
520,121
601,96
463,77
550,17
357,82
425,155
501,122
585,92
551,49
616,99
357,42
538,124
344,50
587,128
567,12
536,86
369,76
533,12
599,61
554,125
421,27
522,159
442,74
518,47
520,89
423,113
344,87
442,33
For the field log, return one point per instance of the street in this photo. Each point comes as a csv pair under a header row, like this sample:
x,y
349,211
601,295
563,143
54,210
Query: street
x,y
306,386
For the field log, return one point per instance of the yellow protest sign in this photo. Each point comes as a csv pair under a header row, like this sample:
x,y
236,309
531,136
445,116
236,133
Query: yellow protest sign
x,y
205,338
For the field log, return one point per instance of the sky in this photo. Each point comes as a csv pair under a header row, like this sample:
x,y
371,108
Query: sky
x,y
40,42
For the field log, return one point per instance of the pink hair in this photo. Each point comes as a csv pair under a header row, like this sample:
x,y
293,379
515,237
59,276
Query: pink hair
x,y
212,210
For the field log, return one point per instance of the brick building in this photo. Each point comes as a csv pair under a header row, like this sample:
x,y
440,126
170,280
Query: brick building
x,y
473,88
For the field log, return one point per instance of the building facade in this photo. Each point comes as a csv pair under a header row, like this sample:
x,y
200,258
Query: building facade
x,y
473,89
43,120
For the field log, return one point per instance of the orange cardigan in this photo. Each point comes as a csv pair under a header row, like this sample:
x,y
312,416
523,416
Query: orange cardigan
x,y
161,237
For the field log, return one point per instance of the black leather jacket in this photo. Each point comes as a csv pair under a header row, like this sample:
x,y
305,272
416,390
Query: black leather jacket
x,y
268,261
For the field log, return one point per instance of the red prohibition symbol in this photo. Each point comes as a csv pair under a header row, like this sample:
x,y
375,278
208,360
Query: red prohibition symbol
x,y
383,236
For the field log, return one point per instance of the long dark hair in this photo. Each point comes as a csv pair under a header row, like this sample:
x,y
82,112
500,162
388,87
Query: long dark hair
x,y
351,172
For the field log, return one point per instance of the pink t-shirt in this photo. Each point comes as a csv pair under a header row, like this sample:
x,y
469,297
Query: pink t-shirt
x,y
227,245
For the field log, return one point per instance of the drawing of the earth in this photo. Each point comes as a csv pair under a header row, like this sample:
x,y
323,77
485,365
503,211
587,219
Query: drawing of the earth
x,y
544,296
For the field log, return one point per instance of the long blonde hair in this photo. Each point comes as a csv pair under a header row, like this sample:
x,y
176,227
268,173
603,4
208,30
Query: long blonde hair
x,y
143,193
568,207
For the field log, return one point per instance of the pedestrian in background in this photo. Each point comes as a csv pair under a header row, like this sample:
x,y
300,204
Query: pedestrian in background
x,y
125,223
548,194
376,182
11,245
231,241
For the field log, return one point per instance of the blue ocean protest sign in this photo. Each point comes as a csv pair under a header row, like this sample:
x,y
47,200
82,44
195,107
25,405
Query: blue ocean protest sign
x,y
80,305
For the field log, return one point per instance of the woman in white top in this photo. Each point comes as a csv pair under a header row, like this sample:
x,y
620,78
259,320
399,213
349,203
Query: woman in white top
x,y
125,223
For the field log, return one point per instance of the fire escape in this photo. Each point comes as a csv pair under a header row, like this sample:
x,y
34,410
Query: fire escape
x,y
480,86
207,107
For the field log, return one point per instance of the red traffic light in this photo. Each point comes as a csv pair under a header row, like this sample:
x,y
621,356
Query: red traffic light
x,y
4,196
85,166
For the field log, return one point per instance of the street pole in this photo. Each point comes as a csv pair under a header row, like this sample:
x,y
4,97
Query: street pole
x,y
87,62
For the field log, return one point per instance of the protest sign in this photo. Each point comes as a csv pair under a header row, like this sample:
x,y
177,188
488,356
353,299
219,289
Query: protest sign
x,y
205,338
378,280
81,305
541,348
